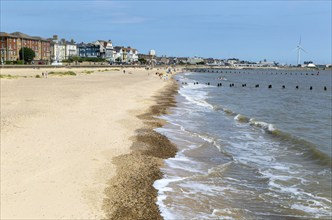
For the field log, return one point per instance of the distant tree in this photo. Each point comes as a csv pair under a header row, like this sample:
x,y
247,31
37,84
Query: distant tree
x,y
74,59
27,54
142,60
119,60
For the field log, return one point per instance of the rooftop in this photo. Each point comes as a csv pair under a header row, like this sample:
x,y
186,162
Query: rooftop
x,y
21,35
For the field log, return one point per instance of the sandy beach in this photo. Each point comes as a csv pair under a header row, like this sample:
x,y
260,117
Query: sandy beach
x,y
62,137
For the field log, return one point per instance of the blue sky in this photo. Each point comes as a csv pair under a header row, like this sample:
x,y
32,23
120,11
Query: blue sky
x,y
248,30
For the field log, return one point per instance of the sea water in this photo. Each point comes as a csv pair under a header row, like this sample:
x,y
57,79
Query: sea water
x,y
249,151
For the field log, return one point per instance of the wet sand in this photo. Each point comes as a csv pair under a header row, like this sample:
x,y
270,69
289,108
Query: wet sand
x,y
130,194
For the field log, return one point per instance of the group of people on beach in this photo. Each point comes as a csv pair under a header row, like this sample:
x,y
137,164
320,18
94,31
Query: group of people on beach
x,y
163,76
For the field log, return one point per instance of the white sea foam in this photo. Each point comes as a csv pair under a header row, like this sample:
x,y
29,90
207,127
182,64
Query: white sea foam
x,y
220,169
183,163
315,209
261,124
195,96
241,118
205,189
162,187
229,213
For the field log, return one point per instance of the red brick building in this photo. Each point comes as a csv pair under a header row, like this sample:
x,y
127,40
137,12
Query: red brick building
x,y
10,45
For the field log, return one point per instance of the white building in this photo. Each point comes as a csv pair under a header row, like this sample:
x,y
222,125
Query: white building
x,y
71,49
58,51
152,53
265,64
62,50
125,55
232,62
132,55
195,60
120,55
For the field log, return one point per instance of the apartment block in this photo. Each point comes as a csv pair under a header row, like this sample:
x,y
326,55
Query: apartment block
x,y
10,45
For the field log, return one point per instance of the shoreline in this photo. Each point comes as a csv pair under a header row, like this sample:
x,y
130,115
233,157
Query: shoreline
x,y
130,194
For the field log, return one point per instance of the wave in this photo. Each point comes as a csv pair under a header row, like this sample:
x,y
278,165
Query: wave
x,y
219,170
308,149
242,118
197,97
261,124
162,186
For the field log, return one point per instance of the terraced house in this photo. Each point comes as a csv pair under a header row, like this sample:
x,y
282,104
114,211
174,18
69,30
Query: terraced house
x,y
10,45
105,49
88,50
62,49
125,54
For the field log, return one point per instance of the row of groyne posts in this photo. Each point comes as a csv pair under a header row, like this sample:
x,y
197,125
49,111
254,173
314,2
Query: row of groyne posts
x,y
269,71
244,84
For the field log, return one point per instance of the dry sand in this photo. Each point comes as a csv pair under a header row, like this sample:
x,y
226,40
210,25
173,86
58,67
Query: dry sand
x,y
60,134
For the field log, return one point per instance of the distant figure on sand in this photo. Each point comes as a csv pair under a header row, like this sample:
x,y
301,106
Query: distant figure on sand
x,y
124,71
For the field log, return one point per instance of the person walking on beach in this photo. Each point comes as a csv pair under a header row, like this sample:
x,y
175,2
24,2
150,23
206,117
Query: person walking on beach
x,y
124,71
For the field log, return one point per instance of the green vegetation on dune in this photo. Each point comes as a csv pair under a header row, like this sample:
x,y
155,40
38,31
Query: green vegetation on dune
x,y
87,71
107,70
8,76
68,73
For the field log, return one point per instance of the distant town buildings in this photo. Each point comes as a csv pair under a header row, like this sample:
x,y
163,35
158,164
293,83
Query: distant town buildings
x,y
54,51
